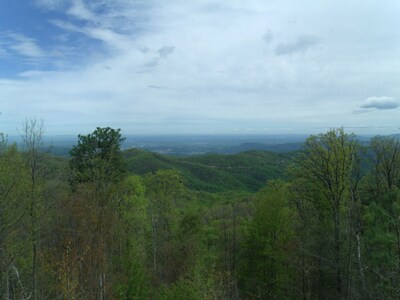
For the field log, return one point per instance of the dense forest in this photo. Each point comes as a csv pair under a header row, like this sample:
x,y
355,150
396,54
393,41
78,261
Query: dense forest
x,y
320,223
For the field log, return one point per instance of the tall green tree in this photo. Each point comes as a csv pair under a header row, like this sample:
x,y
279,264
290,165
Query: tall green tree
x,y
98,169
268,256
386,162
97,157
130,253
163,189
382,217
327,166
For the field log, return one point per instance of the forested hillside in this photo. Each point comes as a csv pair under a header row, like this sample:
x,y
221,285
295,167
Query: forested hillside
x,y
321,223
246,171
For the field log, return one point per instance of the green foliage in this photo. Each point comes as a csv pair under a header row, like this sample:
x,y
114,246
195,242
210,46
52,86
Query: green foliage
x,y
164,185
13,185
382,242
386,158
247,171
182,289
325,180
162,189
268,247
328,160
201,227
3,143
97,157
132,231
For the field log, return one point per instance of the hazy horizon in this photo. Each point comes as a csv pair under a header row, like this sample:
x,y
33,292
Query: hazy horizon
x,y
47,135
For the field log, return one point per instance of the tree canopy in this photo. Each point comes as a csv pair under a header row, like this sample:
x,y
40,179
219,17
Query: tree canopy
x,y
326,228
97,156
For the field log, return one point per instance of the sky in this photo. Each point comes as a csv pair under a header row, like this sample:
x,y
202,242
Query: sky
x,y
200,66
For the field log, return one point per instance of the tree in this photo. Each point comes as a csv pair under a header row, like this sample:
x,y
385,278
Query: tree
x,y
327,165
162,189
386,160
13,240
32,139
268,267
131,230
97,170
97,157
382,216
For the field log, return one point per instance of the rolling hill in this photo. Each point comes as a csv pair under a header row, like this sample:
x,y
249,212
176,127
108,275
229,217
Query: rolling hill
x,y
246,171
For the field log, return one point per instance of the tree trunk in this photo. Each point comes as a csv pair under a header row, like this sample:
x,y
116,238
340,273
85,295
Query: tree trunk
x,y
360,267
337,252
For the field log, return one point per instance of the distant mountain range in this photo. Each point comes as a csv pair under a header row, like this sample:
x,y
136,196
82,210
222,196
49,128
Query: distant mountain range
x,y
187,145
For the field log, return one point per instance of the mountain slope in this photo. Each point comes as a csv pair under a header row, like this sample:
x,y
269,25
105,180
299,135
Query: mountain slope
x,y
246,171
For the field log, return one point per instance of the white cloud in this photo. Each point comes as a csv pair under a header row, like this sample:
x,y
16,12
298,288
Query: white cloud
x,y
107,36
381,103
79,11
24,45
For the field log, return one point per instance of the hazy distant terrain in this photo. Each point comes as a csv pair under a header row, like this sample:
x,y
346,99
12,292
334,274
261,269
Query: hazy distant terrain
x,y
185,145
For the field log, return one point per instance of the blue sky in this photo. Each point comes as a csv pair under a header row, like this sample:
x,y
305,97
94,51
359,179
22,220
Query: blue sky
x,y
200,66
